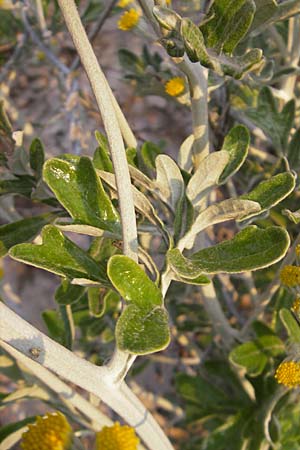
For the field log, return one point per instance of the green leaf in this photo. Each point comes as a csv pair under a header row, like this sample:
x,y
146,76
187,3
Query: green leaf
x,y
143,325
194,43
21,231
21,185
37,156
79,189
102,161
236,143
141,331
130,62
291,325
251,249
55,325
149,152
254,355
270,192
67,293
265,9
59,255
230,21
132,283
167,18
276,125
97,303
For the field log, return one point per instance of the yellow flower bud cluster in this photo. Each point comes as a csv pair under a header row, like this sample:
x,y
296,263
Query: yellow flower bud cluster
x,y
117,437
175,86
290,276
288,373
51,432
124,3
129,20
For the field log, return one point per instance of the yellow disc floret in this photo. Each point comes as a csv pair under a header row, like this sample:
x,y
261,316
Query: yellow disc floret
x,y
296,306
124,3
288,373
128,20
290,276
175,86
117,437
51,432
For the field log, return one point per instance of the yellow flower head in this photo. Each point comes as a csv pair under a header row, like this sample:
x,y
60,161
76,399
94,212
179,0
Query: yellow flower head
x,y
288,373
128,20
51,432
117,437
296,306
175,86
124,3
290,276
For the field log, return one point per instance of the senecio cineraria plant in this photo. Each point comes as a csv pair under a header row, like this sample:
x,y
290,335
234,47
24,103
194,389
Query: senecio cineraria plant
x,y
158,269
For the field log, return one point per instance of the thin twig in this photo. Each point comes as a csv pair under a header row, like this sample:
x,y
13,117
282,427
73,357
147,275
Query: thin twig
x,y
25,338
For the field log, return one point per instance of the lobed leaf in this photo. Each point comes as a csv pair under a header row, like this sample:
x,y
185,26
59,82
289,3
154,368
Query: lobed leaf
x,y
79,189
21,231
270,192
251,249
141,331
59,255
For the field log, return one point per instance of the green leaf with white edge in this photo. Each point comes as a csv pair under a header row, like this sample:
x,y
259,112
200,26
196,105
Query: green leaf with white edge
x,y
37,156
291,325
142,330
294,216
185,160
67,293
167,18
169,180
59,255
231,209
197,281
270,192
265,9
132,283
206,176
236,143
254,355
230,21
194,43
251,249
78,188
22,231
